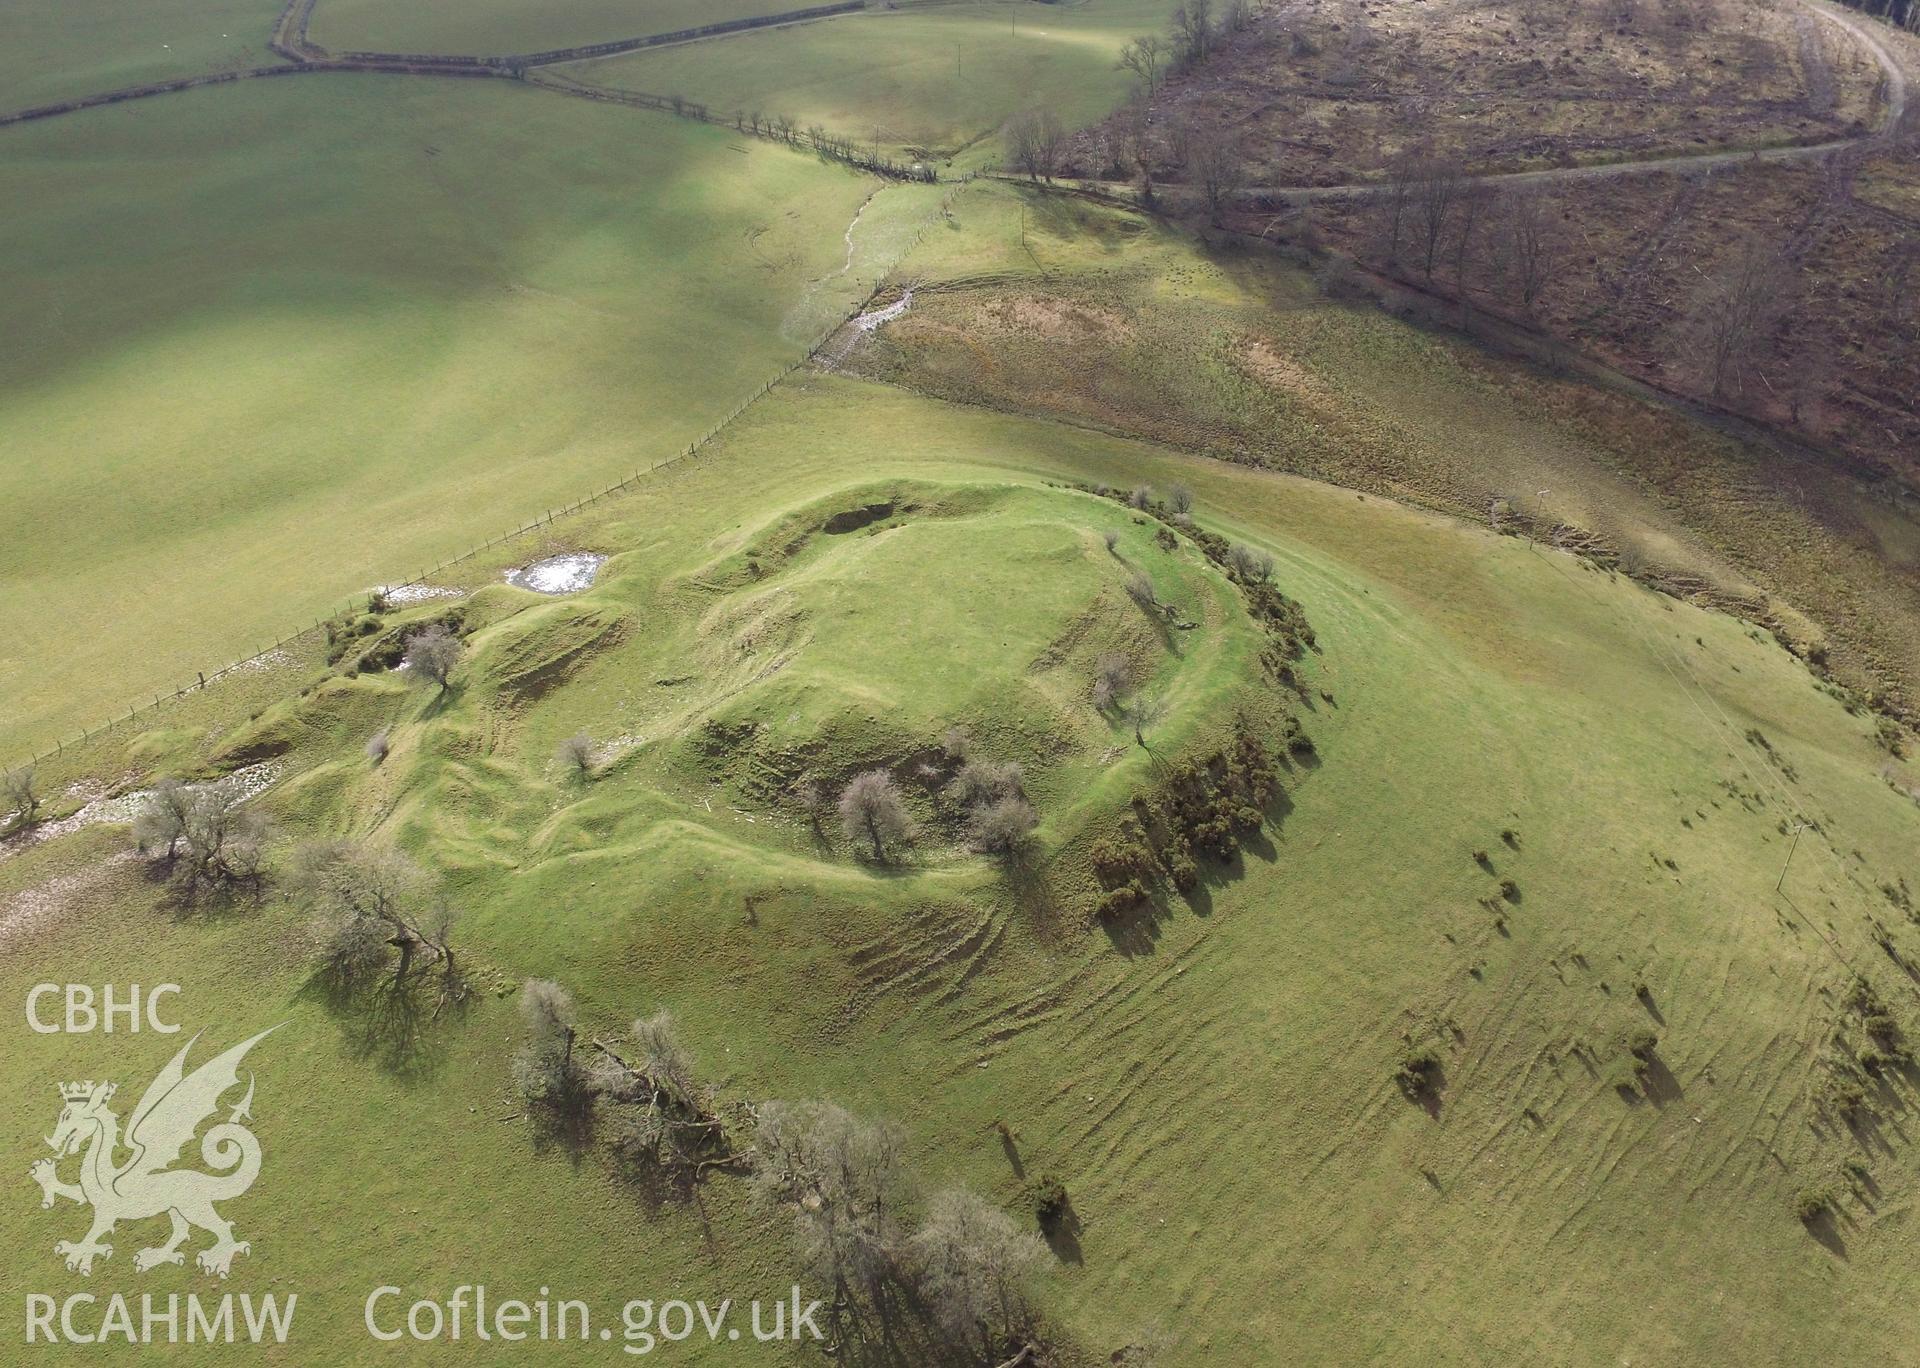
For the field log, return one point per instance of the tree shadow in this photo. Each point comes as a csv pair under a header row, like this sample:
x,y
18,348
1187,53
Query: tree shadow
x,y
1062,1235
389,1021
1646,1000
1825,1228
1658,1081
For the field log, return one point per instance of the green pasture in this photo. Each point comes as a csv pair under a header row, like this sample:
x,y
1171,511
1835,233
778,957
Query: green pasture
x,y
494,27
58,52
276,342
1249,1184
936,81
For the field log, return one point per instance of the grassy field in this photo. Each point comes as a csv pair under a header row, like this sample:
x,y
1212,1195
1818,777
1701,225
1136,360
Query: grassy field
x,y
336,351
57,52
506,26
933,82
1246,1177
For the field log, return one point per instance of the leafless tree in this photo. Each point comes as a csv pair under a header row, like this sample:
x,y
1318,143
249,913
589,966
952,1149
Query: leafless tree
x,y
1235,16
22,795
1035,140
1134,145
1736,307
1193,30
844,1180
432,656
871,806
1146,57
973,1265
1144,712
1140,497
378,745
1180,499
1526,249
1112,540
1402,174
1438,187
547,1069
374,906
212,835
1218,170
160,823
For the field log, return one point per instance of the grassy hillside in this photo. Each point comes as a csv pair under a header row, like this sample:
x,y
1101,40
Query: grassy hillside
x,y
57,52
509,26
934,82
1215,1087
346,345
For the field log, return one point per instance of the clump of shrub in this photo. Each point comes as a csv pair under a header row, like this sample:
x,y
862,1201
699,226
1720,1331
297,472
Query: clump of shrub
x,y
1811,1203
1419,1072
1046,1197
575,755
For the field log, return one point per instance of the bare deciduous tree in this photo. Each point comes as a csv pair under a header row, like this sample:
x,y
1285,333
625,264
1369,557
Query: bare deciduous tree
x,y
1135,145
1734,310
871,806
1526,246
1193,30
1146,57
844,1180
546,1069
973,1265
374,906
1035,140
161,821
1438,186
378,745
1218,171
1180,498
1143,713
433,655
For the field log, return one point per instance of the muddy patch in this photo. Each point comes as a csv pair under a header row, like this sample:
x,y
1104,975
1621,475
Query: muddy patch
x,y
567,574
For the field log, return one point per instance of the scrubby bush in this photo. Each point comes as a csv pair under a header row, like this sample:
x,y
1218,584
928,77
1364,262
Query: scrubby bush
x,y
1112,539
379,745
1002,825
1112,679
1140,589
1254,567
987,780
1141,497
22,793
1811,1203
1046,1197
1419,1071
575,755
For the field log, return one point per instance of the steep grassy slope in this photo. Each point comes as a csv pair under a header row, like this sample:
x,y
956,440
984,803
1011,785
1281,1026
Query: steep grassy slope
x,y
1214,1087
278,341
933,82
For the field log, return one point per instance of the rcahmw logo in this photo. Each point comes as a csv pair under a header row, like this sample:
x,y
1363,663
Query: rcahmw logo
x,y
148,1185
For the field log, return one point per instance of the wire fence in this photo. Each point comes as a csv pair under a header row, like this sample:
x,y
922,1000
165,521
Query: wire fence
x,y
259,658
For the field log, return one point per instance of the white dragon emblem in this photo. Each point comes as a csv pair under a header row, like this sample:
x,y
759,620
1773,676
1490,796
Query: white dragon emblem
x,y
169,1113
